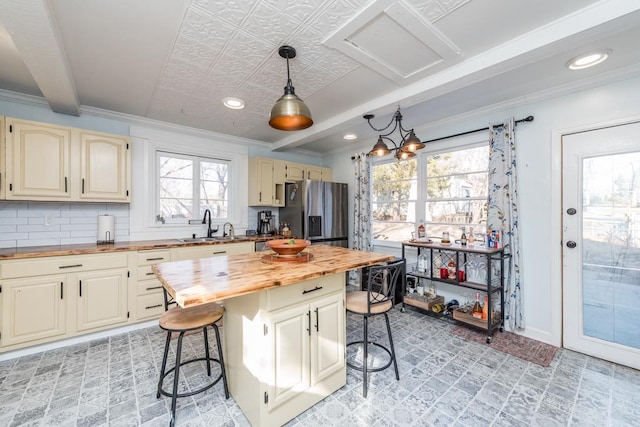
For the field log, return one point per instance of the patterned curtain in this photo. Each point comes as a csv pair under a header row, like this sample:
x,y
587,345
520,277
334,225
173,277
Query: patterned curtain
x,y
503,214
362,216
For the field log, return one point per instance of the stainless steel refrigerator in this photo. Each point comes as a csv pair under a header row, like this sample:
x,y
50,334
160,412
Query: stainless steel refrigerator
x,y
317,211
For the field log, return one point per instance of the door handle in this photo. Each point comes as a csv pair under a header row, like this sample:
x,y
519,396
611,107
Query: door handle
x,y
317,320
571,244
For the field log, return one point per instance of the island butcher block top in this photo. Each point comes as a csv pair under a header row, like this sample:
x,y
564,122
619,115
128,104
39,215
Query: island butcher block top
x,y
205,280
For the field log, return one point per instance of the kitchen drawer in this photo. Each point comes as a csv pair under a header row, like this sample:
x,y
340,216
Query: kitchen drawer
x,y
148,306
304,291
149,286
153,257
145,273
61,264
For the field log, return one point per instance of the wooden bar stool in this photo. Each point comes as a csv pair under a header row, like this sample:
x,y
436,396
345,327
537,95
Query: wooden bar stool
x,y
180,320
378,298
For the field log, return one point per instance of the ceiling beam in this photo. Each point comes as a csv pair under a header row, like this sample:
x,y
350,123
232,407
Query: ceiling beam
x,y
32,27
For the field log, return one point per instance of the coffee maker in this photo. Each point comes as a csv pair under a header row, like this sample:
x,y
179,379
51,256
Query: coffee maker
x,y
265,227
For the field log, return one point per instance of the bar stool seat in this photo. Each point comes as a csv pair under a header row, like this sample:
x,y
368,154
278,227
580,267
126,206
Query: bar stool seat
x,y
183,320
377,299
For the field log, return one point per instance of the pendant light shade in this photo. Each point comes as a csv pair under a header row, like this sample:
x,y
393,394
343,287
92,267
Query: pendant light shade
x,y
289,112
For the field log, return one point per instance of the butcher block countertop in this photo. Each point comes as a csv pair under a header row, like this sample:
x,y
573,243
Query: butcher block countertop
x,y
205,280
94,248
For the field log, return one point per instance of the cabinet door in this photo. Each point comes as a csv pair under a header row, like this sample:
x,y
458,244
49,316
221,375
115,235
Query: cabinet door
x,y
101,299
3,175
289,354
260,182
104,167
294,172
33,309
327,343
314,173
327,174
37,161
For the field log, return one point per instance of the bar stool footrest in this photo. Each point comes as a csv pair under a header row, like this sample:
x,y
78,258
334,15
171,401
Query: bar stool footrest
x,y
200,390
378,369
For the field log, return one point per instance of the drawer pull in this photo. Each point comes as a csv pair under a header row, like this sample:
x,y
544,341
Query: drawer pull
x,y
220,252
149,307
150,274
155,259
317,288
154,287
70,266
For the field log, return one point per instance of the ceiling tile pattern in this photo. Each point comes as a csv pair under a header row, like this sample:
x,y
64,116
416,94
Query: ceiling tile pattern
x,y
181,58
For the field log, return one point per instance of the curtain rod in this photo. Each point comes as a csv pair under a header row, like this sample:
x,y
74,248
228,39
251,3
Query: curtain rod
x,y
526,119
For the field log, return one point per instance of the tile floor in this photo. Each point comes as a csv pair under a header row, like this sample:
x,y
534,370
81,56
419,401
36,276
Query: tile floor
x,y
445,381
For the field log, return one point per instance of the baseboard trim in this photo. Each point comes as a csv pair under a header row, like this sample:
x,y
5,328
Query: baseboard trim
x,y
13,354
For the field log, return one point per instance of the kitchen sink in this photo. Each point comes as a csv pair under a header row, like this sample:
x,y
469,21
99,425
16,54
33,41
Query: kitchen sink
x,y
199,239
212,239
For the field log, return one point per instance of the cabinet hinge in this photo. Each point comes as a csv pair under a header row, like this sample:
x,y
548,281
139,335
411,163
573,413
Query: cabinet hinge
x,y
266,397
266,329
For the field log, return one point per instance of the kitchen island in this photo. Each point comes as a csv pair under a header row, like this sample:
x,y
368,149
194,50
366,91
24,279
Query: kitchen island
x,y
284,323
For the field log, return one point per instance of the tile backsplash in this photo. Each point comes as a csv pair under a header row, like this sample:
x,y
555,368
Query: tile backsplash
x,y
39,223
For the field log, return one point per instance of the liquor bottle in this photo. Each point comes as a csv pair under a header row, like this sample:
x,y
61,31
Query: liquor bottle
x,y
471,240
422,263
476,311
422,233
485,308
463,238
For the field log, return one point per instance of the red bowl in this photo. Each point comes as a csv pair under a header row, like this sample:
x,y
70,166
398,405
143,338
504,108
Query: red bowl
x,y
288,246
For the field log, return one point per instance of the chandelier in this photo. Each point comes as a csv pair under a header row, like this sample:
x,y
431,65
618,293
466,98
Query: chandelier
x,y
408,142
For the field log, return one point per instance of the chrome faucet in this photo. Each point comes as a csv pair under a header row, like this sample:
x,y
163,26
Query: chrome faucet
x,y
224,227
204,221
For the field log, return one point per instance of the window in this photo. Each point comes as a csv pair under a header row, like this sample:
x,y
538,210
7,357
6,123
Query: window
x,y
456,191
446,189
393,199
189,184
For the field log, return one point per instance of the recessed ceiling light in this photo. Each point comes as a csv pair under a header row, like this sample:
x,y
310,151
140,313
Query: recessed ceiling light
x,y
350,136
233,103
589,59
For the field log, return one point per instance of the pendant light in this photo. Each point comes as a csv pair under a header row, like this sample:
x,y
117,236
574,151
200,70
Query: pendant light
x,y
408,141
289,112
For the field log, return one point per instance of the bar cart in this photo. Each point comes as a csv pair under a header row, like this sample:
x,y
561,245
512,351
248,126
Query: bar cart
x,y
472,267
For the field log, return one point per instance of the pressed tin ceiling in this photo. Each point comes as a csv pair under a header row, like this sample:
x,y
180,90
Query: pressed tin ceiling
x,y
176,61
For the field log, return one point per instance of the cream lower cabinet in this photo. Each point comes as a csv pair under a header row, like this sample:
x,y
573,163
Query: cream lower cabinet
x,y
149,296
287,349
33,309
102,299
49,298
207,251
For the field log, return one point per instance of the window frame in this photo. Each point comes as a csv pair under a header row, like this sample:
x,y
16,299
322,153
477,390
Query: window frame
x,y
433,148
195,185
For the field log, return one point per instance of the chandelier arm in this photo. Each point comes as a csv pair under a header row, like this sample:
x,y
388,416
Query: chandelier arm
x,y
370,116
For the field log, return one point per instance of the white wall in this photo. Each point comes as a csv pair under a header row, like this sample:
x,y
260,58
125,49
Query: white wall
x,y
538,154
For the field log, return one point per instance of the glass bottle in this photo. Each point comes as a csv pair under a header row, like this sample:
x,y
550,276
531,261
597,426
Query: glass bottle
x,y
422,263
422,234
471,240
476,311
463,237
485,308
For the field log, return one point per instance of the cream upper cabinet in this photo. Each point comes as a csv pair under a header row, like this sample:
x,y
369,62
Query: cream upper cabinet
x,y
261,182
104,165
55,163
38,161
294,172
33,309
3,175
